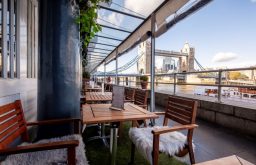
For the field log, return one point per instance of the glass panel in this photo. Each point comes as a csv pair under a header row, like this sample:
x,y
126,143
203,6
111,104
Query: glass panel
x,y
8,37
15,39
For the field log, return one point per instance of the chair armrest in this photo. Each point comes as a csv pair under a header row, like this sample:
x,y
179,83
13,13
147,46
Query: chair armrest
x,y
53,121
174,128
142,106
159,113
40,147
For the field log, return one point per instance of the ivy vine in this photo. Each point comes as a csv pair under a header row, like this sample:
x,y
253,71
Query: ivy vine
x,y
88,24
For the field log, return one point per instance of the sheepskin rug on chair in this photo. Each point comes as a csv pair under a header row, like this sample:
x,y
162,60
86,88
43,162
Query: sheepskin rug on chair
x,y
170,143
49,157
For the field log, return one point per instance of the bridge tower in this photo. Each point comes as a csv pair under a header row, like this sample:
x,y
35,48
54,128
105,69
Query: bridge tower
x,y
186,64
143,64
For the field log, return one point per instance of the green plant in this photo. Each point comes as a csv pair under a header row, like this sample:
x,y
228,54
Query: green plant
x,y
144,78
87,21
86,75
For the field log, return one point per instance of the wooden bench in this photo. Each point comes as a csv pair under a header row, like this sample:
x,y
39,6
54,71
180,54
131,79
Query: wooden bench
x,y
14,126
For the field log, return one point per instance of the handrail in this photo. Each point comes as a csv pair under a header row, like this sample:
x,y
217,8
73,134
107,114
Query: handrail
x,y
175,83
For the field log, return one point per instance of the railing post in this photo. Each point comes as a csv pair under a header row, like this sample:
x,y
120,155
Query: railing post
x,y
116,69
219,85
174,83
104,72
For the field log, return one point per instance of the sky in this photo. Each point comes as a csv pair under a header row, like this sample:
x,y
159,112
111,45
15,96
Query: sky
x,y
223,33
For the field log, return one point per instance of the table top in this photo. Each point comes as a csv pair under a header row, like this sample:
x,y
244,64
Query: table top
x,y
93,89
100,113
98,96
229,160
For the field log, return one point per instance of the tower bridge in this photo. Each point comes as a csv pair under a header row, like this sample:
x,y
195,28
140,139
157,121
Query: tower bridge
x,y
186,58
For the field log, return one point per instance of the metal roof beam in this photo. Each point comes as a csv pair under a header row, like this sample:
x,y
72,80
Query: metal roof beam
x,y
121,12
103,44
98,49
113,28
116,39
98,52
93,58
96,55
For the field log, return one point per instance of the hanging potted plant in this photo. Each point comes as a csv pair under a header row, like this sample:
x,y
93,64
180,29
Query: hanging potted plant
x,y
86,76
144,82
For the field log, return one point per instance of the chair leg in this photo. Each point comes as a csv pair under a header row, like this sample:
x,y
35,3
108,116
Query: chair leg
x,y
191,153
155,153
145,123
120,130
71,156
190,147
132,154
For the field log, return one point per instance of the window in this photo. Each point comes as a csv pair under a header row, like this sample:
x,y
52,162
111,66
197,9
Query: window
x,y
32,39
8,56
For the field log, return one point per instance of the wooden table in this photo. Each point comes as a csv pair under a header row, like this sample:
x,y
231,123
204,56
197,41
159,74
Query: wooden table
x,y
100,113
95,89
229,160
98,97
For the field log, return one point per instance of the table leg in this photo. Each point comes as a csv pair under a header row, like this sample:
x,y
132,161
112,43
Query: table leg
x,y
102,134
113,142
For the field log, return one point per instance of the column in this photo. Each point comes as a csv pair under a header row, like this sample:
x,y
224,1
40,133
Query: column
x,y
152,67
59,66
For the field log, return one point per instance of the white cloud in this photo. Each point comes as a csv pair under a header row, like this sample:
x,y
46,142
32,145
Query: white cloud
x,y
113,18
144,7
224,57
253,1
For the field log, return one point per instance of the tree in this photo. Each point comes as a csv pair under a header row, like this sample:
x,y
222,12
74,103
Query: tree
x,y
235,75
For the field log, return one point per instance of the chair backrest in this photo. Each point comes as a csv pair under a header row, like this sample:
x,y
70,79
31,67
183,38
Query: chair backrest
x,y
129,93
12,124
180,110
108,87
141,97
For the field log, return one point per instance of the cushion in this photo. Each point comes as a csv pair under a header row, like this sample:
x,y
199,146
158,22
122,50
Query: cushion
x,y
170,143
57,156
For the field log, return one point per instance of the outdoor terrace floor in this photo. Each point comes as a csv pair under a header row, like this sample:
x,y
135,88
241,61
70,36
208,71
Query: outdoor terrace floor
x,y
214,142
211,142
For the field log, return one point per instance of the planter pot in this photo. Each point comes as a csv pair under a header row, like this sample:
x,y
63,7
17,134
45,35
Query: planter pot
x,y
144,84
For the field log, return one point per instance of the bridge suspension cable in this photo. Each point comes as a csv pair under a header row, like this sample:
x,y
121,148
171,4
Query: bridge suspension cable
x,y
125,66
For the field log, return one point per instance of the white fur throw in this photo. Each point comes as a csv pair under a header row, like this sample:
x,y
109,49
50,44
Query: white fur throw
x,y
170,143
49,157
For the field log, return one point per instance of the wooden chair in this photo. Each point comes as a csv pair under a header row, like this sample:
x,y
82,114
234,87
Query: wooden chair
x,y
129,94
14,126
108,87
182,111
140,99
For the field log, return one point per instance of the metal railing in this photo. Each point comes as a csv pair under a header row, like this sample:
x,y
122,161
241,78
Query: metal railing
x,y
218,79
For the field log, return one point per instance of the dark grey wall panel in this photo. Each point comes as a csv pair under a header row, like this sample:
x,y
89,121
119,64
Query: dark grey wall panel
x,y
58,81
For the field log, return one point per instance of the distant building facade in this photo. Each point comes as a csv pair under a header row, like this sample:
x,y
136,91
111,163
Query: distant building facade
x,y
168,64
